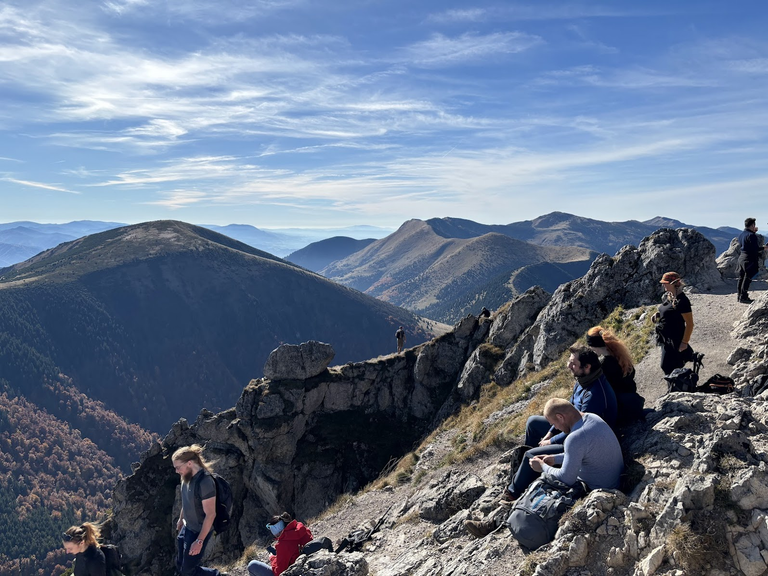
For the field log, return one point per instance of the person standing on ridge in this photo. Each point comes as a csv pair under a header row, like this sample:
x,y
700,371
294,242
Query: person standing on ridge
x,y
674,324
749,259
400,337
198,510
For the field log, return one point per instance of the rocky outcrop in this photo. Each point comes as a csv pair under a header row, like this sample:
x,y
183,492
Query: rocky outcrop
x,y
629,279
294,444
728,261
300,439
328,564
292,362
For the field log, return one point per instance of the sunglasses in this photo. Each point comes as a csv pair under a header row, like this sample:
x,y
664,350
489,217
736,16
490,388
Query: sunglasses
x,y
66,537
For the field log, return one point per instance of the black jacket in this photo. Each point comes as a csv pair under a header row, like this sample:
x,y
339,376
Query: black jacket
x,y
90,563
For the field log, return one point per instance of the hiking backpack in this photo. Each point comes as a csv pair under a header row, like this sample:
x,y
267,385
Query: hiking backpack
x,y
757,386
681,380
717,384
316,545
111,559
224,502
535,515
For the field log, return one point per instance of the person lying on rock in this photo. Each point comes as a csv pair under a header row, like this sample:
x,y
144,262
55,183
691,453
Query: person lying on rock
x,y
591,454
591,393
290,538
619,370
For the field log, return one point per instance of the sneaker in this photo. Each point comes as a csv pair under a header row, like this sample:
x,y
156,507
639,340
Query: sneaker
x,y
746,300
479,528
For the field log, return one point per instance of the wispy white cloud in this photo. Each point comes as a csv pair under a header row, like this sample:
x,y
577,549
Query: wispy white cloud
x,y
442,50
39,185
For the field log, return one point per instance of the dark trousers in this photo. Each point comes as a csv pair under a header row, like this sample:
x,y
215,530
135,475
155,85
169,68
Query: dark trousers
x,y
187,565
672,358
535,429
746,271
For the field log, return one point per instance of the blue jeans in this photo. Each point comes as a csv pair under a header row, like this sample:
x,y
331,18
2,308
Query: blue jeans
x,y
256,568
535,429
187,565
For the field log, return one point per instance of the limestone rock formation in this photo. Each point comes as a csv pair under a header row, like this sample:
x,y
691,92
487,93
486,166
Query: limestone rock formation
x,y
292,362
328,564
294,444
629,279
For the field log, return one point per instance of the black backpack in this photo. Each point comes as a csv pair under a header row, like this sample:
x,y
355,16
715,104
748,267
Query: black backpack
x,y
224,502
111,559
681,380
535,516
316,545
717,384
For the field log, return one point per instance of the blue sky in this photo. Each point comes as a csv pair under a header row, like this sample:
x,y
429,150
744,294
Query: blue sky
x,y
296,113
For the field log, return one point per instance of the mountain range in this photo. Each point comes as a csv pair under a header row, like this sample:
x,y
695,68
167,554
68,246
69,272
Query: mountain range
x,y
154,314
22,240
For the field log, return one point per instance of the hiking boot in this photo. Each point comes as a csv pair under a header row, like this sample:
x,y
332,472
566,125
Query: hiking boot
x,y
746,300
508,496
479,528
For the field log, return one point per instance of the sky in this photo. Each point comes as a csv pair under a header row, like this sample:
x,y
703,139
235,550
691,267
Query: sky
x,y
299,113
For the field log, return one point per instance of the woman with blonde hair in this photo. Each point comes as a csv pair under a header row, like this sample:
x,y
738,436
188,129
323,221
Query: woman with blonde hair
x,y
619,370
83,542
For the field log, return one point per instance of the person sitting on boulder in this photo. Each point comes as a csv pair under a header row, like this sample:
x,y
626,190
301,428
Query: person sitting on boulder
x,y
619,370
291,536
591,393
674,324
591,454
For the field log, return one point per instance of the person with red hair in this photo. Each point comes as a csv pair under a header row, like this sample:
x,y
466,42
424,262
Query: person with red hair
x,y
619,370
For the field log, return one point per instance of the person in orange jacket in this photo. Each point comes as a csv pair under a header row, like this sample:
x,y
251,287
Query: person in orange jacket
x,y
291,536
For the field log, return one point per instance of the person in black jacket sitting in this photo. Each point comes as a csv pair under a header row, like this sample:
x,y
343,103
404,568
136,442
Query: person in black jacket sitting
x,y
619,370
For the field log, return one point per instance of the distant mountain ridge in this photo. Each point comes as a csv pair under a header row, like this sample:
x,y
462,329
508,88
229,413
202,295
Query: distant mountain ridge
x,y
424,271
171,308
318,255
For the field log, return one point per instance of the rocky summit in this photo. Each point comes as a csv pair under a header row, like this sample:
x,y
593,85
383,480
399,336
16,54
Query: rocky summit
x,y
695,499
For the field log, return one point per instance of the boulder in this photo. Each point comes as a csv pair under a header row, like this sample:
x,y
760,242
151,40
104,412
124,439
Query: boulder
x,y
326,563
298,362
728,261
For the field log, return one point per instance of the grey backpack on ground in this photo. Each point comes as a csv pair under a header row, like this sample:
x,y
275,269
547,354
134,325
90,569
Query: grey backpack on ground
x,y
535,515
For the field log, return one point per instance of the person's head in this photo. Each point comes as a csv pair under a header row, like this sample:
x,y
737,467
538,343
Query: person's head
x,y
188,460
561,414
750,224
77,538
672,282
277,524
604,342
582,361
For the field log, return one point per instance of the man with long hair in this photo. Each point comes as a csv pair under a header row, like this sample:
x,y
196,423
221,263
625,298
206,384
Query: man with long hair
x,y
198,510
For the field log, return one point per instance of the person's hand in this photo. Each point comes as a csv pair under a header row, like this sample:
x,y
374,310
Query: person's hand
x,y
545,442
197,545
548,459
683,346
655,317
536,463
179,525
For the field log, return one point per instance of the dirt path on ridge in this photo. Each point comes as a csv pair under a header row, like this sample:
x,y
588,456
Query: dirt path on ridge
x,y
714,314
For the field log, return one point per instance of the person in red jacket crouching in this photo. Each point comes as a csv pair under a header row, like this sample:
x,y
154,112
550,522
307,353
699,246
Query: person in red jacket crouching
x,y
291,536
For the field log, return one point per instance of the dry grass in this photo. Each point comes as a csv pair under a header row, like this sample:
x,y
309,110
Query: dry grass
x,y
474,437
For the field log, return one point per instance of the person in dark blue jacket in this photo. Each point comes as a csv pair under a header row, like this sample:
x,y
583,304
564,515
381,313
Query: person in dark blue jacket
x,y
749,259
592,393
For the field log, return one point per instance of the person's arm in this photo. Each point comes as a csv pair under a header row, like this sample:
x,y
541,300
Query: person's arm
x,y
209,508
568,473
688,317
